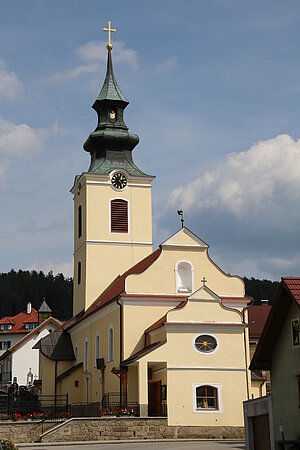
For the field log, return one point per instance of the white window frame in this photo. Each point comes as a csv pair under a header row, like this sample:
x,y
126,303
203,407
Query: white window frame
x,y
218,386
177,279
110,346
86,355
97,347
294,320
128,215
207,334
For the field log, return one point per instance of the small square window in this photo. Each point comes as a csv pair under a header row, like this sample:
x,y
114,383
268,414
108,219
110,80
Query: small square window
x,y
76,383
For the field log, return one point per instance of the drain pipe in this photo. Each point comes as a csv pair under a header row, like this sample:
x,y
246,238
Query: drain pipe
x,y
246,359
121,346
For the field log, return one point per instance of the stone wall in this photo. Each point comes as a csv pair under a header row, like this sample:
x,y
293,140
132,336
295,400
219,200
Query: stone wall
x,y
20,431
99,429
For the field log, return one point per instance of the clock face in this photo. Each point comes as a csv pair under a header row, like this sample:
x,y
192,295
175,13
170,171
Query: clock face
x,y
119,180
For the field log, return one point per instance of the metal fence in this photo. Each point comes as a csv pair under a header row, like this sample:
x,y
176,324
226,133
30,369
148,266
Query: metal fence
x,y
55,407
24,403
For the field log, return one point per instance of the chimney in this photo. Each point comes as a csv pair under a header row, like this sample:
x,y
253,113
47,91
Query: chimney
x,y
28,309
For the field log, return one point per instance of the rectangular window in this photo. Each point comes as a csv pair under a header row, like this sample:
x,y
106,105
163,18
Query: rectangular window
x,y
5,345
296,332
119,216
79,221
5,327
30,326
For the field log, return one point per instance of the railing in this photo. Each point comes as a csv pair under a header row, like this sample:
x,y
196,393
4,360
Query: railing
x,y
157,409
54,408
25,403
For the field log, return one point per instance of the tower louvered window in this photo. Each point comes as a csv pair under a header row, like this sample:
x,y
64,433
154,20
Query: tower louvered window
x,y
119,216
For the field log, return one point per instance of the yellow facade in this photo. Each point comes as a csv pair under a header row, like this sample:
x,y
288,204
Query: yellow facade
x,y
175,363
104,254
148,333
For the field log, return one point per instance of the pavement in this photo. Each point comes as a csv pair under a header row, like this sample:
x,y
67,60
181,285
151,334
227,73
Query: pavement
x,y
178,444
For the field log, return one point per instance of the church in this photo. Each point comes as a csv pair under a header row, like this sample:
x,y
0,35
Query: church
x,y
165,330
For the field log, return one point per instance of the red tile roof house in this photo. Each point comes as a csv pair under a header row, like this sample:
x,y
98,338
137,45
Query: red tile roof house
x,y
14,328
14,332
278,351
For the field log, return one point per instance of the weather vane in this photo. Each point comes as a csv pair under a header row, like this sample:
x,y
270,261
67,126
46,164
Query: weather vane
x,y
110,30
180,213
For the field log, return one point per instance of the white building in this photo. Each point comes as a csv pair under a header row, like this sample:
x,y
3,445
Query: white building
x,y
21,359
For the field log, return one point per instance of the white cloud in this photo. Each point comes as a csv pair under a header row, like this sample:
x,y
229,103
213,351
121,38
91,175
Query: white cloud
x,y
253,181
96,51
166,65
10,85
20,141
64,267
94,54
74,73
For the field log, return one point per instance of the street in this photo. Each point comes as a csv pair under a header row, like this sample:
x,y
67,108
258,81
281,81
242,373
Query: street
x,y
145,445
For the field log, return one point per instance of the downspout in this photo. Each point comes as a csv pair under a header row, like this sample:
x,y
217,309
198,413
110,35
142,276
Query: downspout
x,y
246,359
55,385
121,346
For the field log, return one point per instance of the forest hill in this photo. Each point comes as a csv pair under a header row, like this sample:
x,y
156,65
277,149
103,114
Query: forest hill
x,y
17,288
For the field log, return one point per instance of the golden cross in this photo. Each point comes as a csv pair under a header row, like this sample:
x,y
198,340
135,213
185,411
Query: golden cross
x,y
110,30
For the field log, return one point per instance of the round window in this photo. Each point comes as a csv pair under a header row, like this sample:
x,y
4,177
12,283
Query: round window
x,y
205,343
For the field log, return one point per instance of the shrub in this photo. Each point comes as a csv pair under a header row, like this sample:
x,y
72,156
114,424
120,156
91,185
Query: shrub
x,y
8,445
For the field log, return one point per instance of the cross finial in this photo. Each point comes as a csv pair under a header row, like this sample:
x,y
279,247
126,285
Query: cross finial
x,y
203,281
110,30
180,213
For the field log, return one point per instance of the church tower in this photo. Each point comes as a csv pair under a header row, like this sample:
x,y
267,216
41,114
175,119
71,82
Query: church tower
x,y
112,201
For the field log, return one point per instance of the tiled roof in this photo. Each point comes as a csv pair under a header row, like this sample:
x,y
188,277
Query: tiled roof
x,y
143,352
257,316
293,285
163,319
116,288
18,321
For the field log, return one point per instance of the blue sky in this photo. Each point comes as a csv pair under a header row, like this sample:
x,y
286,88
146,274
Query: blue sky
x,y
214,91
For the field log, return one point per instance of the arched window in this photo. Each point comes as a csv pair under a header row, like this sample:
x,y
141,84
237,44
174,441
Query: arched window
x,y
79,272
97,348
86,349
206,397
184,274
79,221
76,354
119,216
110,344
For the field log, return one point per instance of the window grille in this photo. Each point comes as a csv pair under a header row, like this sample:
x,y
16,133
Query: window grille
x,y
119,216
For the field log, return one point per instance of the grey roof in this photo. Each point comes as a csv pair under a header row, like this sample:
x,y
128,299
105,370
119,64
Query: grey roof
x,y
110,89
44,308
57,346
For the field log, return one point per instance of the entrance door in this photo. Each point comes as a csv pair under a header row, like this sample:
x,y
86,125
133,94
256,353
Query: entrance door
x,y
154,400
261,432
